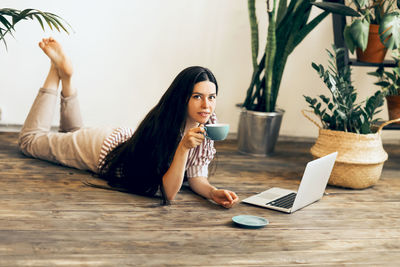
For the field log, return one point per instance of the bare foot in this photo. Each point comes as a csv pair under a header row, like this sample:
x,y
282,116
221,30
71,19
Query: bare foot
x,y
56,54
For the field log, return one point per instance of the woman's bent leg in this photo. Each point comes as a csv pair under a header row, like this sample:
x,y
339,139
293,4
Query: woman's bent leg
x,y
70,114
79,149
38,121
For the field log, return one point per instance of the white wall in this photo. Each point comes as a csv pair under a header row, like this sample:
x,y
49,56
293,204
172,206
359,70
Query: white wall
x,y
126,54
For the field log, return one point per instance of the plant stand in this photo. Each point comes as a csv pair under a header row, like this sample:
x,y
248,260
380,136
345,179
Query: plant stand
x,y
339,22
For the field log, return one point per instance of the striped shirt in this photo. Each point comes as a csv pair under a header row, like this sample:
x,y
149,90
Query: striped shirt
x,y
118,136
198,159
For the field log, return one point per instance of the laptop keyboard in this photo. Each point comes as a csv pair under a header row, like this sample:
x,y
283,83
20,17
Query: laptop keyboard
x,y
283,202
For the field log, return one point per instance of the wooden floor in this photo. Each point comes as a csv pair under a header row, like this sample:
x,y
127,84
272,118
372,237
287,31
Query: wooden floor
x,y
48,217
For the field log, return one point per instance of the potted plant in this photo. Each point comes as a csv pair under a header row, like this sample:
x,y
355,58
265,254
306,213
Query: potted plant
x,y
288,25
345,126
374,29
390,84
9,17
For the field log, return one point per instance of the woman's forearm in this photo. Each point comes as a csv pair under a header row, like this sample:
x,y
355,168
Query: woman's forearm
x,y
223,197
173,178
201,186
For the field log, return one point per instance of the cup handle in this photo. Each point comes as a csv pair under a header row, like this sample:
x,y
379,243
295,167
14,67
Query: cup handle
x,y
205,132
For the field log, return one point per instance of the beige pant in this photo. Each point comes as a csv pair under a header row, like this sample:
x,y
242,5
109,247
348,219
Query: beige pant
x,y
73,145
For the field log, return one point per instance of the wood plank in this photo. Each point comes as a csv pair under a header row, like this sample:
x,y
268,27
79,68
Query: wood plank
x,y
48,217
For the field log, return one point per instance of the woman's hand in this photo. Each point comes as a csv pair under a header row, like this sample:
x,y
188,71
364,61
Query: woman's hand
x,y
193,137
225,198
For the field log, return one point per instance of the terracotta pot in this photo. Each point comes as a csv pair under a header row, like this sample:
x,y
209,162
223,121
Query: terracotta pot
x,y
375,51
393,104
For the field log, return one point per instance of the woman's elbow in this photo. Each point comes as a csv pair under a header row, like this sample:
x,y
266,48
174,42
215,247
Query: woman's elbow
x,y
170,196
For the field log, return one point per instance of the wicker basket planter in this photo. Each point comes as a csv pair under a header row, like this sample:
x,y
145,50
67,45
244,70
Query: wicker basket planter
x,y
360,156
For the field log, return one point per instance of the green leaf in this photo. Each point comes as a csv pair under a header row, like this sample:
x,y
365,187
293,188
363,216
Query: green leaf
x,y
308,99
397,71
2,38
53,22
362,119
315,66
348,39
40,21
362,3
390,75
337,8
308,28
324,99
365,128
24,13
281,10
374,73
16,15
382,84
254,31
313,101
326,118
5,22
389,30
47,21
359,31
353,97
341,114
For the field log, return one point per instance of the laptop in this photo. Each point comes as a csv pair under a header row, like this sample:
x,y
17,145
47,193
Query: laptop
x,y
311,189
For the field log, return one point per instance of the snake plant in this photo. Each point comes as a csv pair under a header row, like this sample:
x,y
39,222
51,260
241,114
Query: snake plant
x,y
9,17
288,25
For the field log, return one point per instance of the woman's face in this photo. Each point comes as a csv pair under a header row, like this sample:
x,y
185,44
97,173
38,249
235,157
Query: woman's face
x,y
202,102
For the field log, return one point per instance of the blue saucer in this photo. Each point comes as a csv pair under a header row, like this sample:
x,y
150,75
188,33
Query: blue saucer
x,y
250,221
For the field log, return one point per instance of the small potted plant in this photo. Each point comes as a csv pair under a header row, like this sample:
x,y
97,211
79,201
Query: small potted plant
x,y
390,84
374,29
345,126
9,17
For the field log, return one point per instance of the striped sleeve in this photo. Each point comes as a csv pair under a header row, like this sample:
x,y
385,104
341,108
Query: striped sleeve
x,y
200,157
118,136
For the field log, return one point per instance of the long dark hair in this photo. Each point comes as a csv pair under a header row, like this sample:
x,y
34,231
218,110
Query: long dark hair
x,y
139,164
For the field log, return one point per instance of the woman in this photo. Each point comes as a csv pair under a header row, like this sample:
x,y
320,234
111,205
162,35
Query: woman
x,y
167,147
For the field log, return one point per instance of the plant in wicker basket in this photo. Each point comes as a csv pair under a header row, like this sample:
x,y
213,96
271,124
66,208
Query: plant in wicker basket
x,y
346,128
342,113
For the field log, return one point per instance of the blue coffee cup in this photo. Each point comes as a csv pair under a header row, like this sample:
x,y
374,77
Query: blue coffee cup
x,y
218,131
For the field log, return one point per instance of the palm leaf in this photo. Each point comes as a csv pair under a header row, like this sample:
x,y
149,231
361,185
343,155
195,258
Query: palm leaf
x,y
15,16
39,20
